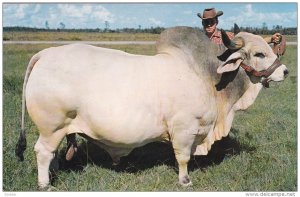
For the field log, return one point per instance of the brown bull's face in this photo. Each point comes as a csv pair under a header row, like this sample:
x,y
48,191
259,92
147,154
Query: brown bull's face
x,y
254,54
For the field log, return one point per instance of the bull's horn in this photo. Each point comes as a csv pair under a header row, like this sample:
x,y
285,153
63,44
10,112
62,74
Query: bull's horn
x,y
234,44
236,29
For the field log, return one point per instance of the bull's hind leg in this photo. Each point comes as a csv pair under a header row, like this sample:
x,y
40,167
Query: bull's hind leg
x,y
45,151
52,123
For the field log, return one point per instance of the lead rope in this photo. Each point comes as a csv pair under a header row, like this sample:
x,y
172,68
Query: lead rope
x,y
278,53
263,79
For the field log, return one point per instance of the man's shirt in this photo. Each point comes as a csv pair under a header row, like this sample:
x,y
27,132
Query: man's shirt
x,y
217,37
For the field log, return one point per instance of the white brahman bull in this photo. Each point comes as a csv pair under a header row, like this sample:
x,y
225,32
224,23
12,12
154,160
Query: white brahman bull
x,y
120,101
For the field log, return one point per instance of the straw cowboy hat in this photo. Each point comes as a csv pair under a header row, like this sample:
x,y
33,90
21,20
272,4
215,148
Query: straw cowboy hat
x,y
210,13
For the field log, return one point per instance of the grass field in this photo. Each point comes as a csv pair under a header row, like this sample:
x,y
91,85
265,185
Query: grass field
x,y
260,153
92,36
78,36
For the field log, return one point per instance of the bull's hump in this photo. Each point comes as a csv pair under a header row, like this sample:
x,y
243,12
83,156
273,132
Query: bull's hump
x,y
182,37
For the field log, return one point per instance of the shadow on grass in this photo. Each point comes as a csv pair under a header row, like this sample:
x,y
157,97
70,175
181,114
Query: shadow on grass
x,y
150,155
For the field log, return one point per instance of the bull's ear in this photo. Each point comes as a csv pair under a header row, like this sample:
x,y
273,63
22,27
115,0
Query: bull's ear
x,y
231,64
224,56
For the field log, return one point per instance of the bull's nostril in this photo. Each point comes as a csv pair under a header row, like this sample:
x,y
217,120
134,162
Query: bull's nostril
x,y
285,72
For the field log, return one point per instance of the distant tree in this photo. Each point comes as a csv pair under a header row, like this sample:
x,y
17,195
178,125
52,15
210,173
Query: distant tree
x,y
264,25
264,28
47,25
106,26
278,27
62,25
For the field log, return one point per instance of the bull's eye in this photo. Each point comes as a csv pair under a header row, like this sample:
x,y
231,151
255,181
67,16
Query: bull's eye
x,y
260,55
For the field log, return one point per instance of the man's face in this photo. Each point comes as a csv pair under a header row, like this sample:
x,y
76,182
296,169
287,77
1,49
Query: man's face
x,y
209,25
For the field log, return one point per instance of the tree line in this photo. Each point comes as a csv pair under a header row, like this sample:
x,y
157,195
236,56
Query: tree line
x,y
153,30
265,31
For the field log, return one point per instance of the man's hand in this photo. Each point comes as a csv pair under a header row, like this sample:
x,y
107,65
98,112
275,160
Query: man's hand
x,y
276,38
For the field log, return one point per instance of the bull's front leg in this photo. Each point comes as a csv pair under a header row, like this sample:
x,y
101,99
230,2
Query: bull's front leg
x,y
182,141
182,155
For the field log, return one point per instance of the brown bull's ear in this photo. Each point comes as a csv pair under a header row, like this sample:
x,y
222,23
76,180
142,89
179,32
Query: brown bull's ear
x,y
231,64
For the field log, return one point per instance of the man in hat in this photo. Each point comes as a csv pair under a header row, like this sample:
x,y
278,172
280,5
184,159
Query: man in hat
x,y
210,22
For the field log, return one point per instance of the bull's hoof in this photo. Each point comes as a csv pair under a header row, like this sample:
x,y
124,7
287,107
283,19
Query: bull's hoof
x,y
43,187
51,188
185,181
115,164
47,188
116,161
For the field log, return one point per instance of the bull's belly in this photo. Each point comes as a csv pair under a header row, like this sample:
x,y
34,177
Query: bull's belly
x,y
119,127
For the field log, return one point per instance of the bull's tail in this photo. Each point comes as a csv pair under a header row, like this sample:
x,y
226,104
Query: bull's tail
x,y
21,145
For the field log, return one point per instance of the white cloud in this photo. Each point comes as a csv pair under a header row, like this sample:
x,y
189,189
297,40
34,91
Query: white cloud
x,y
15,14
21,11
72,15
37,8
249,17
155,22
128,21
188,12
7,8
87,9
70,10
102,14
80,15
248,10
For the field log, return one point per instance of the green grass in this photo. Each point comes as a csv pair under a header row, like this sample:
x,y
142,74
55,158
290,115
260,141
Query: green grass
x,y
260,154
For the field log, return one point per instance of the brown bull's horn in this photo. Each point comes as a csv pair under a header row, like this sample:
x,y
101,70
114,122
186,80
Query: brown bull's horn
x,y
236,29
234,44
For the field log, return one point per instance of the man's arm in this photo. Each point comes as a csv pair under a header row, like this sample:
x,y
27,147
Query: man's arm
x,y
273,39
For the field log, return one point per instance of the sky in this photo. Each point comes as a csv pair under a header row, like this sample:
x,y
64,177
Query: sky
x,y
146,15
